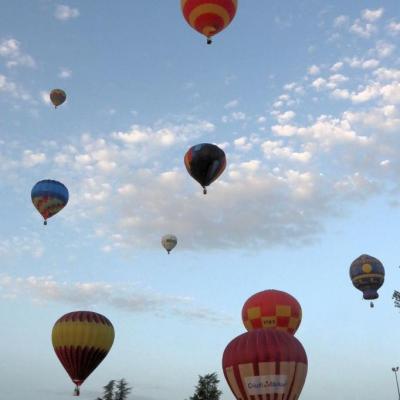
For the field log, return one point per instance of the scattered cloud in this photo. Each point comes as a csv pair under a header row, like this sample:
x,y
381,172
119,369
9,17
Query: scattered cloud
x,y
372,15
314,70
45,97
30,159
10,49
21,245
394,28
384,49
340,21
64,13
362,29
64,73
133,299
232,104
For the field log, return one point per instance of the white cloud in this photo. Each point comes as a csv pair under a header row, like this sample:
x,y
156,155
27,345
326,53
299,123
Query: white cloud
x,y
361,29
372,15
10,49
65,73
356,186
65,13
356,62
285,117
133,298
45,97
8,86
340,21
340,94
387,74
132,137
31,159
391,93
370,64
242,143
336,67
21,245
232,104
261,120
328,132
319,83
276,149
336,79
313,70
238,116
394,28
284,130
384,49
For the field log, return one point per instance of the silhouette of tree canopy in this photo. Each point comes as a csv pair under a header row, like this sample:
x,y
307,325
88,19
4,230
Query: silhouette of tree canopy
x,y
207,388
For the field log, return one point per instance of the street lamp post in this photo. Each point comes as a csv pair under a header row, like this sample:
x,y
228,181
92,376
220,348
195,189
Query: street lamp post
x,y
395,369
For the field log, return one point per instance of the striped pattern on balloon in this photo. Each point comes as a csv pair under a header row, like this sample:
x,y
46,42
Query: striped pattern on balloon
x,y
81,341
209,17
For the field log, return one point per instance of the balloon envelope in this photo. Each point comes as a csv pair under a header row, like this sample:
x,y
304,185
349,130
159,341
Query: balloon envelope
x,y
81,340
57,97
272,309
169,242
205,162
265,364
367,274
49,197
209,16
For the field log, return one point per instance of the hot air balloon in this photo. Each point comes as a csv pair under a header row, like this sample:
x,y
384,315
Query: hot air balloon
x,y
81,340
205,162
57,97
169,242
265,364
49,197
367,274
209,17
272,309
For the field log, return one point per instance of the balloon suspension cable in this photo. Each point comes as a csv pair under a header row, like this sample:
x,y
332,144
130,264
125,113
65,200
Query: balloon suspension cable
x,y
76,391
45,222
371,304
168,251
209,40
204,190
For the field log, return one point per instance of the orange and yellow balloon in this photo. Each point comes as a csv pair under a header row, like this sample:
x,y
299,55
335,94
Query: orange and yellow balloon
x,y
272,309
209,17
81,340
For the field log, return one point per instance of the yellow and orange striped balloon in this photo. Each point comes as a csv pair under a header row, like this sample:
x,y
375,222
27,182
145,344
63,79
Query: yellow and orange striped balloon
x,y
209,17
81,340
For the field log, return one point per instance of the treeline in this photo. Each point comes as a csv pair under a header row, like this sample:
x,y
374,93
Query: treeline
x,y
206,389
116,390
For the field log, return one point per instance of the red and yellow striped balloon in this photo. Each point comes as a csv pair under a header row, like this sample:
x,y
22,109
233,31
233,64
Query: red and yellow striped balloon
x,y
81,340
209,17
265,364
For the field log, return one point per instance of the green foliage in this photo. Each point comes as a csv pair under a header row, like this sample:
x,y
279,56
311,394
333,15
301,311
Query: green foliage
x,y
109,390
207,388
122,390
116,390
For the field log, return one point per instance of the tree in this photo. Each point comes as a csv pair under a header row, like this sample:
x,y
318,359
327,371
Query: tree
x,y
122,390
109,390
396,298
207,388
116,390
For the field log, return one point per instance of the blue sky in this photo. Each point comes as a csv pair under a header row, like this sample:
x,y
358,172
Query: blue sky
x,y
305,100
